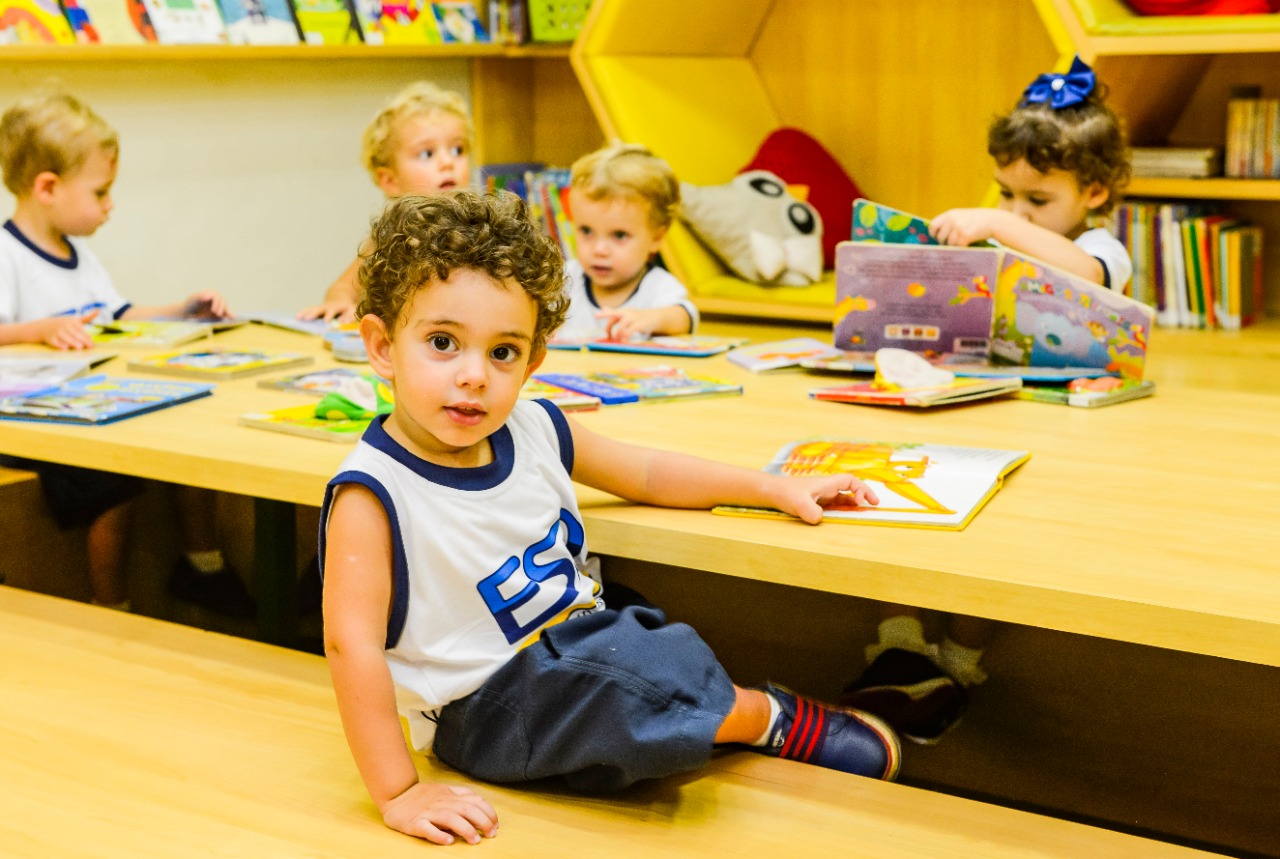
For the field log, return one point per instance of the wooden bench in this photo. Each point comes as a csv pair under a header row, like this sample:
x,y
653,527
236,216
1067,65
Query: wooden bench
x,y
162,740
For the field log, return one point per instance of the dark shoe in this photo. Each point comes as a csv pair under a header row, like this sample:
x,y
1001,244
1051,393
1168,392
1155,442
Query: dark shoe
x,y
832,737
910,692
222,591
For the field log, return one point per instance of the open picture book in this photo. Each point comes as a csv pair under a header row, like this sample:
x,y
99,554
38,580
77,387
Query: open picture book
x,y
218,364
303,420
100,400
642,384
25,374
919,485
152,333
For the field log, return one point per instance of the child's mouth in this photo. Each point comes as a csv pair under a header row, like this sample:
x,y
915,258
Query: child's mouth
x,y
467,416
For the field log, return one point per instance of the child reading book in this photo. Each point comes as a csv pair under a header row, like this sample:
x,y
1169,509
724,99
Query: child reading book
x,y
622,199
59,160
482,630
1060,158
419,143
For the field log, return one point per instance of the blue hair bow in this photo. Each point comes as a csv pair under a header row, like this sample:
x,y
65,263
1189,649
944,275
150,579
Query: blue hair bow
x,y
1061,90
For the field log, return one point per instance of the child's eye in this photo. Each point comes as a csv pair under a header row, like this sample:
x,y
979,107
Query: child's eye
x,y
441,342
619,236
584,231
458,151
505,354
1038,201
426,154
1006,194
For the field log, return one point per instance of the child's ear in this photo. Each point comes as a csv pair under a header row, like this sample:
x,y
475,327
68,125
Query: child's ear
x,y
377,342
386,179
535,361
43,186
1095,195
657,234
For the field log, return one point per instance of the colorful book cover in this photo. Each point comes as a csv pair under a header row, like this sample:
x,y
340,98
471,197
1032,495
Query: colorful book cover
x,y
919,485
958,390
219,364
147,333
34,22
1045,317
26,374
327,22
346,346
958,365
1083,396
302,420
290,322
686,345
109,22
647,384
565,399
778,354
876,222
187,22
926,298
408,22
100,400
458,22
316,383
260,22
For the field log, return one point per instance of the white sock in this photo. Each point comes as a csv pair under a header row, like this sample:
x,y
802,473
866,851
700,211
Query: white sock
x,y
774,710
207,562
904,632
961,662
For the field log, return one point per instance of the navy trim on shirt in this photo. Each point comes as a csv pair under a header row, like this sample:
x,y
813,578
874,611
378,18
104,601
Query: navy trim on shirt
x,y
1106,273
468,479
563,435
12,229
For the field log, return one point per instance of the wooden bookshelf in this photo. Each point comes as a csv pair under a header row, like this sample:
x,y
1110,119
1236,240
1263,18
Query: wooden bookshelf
x,y
238,53
1205,189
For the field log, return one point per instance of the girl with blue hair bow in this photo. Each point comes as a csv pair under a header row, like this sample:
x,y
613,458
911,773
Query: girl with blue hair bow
x,y
1060,159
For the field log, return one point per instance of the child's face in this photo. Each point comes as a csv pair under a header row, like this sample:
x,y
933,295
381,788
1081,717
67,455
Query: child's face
x,y
430,156
460,354
613,239
80,202
1053,200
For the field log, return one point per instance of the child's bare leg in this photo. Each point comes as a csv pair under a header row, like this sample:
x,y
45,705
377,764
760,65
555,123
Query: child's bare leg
x,y
108,541
749,719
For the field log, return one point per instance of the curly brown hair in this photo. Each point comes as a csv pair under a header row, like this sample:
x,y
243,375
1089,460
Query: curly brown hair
x,y
1086,140
418,240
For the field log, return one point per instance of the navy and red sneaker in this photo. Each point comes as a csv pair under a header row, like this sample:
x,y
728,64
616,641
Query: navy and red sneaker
x,y
833,737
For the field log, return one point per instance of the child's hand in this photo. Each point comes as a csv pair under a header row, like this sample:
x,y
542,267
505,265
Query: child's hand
x,y
963,227
626,324
339,310
66,332
806,497
432,811
206,305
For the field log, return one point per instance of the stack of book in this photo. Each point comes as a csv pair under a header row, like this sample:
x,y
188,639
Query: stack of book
x,y
1177,161
1253,138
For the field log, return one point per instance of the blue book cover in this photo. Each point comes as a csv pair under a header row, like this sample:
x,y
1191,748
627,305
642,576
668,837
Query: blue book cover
x,y
100,400
260,22
649,384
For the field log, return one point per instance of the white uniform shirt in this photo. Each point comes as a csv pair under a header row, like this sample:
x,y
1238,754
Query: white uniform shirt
x,y
1117,266
36,285
658,288
484,558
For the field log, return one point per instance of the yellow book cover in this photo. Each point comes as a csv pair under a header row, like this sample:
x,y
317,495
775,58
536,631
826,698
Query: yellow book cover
x,y
919,485
302,420
33,22
147,332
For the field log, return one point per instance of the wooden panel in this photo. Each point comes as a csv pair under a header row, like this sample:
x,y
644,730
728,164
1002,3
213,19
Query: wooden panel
x,y
1141,89
705,28
564,127
531,110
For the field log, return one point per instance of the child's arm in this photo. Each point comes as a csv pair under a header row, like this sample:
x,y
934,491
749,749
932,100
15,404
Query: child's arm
x,y
202,305
667,479
340,299
357,599
60,332
965,226
624,323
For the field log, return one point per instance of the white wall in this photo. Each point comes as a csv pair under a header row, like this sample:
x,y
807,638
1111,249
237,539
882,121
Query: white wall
x,y
236,175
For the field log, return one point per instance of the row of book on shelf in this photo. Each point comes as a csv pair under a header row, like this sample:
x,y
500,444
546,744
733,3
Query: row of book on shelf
x,y
1253,136
545,189
258,22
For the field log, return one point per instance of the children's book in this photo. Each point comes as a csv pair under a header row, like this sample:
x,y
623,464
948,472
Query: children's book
x,y
567,400
346,346
777,354
844,361
316,383
958,390
646,384
100,400
147,333
289,322
187,22
303,420
408,22
876,222
1080,394
260,22
919,485
219,364
687,345
109,22
328,22
27,374
458,22
33,22
991,302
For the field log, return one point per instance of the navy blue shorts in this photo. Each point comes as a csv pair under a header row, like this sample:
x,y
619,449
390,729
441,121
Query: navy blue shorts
x,y
77,496
602,700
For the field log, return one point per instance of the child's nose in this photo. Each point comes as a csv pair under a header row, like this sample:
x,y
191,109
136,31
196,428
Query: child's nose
x,y
472,372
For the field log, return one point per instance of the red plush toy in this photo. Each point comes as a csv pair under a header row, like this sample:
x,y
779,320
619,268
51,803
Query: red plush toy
x,y
1204,7
798,159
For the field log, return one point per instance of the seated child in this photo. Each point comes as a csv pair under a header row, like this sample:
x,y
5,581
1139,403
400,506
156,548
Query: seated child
x,y
1060,159
59,160
453,550
622,199
419,143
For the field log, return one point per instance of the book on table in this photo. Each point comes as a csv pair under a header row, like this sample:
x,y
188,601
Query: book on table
x,y
958,390
25,374
219,364
303,420
100,399
845,361
290,322
316,383
780,354
685,345
1083,393
642,384
565,399
919,485
147,333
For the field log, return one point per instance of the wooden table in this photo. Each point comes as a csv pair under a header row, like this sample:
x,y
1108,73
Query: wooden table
x,y
129,737
1151,522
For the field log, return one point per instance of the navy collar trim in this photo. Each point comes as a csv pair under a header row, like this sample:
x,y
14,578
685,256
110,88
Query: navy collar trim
x,y
467,479
68,263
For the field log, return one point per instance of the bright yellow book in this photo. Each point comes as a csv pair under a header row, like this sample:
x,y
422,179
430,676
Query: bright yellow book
x,y
302,420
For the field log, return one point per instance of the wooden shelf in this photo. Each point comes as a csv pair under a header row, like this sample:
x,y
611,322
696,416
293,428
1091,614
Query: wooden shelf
x,y
1211,189
221,53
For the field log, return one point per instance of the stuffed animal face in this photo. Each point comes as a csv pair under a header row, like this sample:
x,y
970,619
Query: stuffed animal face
x,y
761,232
